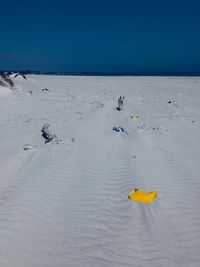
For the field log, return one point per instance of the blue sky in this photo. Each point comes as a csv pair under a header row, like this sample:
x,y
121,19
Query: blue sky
x,y
100,36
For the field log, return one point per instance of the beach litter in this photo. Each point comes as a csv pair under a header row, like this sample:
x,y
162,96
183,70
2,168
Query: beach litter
x,y
135,117
47,135
29,147
119,129
141,196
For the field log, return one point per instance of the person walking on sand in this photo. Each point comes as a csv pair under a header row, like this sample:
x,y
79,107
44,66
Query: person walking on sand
x,y
120,102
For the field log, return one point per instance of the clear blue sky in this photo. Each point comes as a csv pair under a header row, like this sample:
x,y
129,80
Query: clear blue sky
x,y
100,36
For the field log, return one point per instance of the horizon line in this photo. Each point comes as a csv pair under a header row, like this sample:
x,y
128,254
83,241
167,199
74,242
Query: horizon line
x,y
100,73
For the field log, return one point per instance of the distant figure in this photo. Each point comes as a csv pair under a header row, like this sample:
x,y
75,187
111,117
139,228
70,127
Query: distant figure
x,y
46,133
123,102
120,103
45,89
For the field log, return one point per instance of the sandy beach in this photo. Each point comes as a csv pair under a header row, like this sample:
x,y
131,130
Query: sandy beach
x,y
67,204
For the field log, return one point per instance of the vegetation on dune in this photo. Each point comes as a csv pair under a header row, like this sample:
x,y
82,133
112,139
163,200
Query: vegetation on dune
x,y
6,81
20,73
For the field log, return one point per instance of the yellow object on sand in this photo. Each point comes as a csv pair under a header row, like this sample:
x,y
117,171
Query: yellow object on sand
x,y
141,196
135,117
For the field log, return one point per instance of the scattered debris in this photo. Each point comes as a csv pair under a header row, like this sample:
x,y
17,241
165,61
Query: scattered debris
x,y
47,135
141,196
29,147
119,129
141,127
135,117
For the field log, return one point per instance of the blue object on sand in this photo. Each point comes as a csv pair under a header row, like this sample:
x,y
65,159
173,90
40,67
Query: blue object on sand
x,y
122,129
119,129
116,129
45,135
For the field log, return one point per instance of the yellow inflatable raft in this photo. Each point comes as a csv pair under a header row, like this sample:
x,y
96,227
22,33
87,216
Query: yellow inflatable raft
x,y
141,196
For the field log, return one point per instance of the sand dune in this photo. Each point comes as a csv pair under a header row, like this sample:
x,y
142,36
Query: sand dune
x,y
67,204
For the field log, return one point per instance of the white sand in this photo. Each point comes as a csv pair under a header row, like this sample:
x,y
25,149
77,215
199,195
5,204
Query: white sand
x,y
67,205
